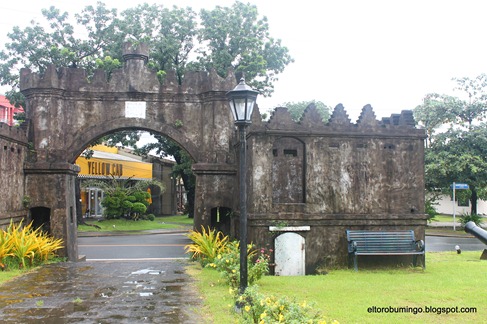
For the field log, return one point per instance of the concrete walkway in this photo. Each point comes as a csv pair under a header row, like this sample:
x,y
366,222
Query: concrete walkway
x,y
101,292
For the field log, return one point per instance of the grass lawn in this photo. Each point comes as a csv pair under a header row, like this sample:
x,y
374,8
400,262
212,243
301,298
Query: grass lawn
x,y
114,225
10,274
450,280
445,218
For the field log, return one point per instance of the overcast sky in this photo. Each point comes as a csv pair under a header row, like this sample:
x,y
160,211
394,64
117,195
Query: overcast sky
x,y
385,53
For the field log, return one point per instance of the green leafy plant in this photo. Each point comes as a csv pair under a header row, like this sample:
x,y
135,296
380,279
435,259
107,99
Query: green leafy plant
x,y
228,264
258,308
124,200
206,245
430,209
5,248
477,219
26,201
22,246
178,123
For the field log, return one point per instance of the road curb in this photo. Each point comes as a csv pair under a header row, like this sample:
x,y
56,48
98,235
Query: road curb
x,y
151,232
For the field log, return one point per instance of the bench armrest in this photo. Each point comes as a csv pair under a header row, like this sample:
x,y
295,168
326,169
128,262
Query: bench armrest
x,y
419,245
352,246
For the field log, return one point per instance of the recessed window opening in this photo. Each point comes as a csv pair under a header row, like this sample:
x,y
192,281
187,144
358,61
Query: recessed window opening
x,y
291,153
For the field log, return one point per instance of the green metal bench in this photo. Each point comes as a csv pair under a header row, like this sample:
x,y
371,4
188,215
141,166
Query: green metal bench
x,y
384,243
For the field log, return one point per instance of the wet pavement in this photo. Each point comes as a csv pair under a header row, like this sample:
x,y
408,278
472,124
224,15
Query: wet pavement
x,y
101,292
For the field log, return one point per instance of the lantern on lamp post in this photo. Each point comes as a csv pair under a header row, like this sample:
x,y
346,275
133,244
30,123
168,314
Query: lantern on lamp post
x,y
242,99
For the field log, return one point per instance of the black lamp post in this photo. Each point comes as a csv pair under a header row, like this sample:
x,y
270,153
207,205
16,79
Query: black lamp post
x,y
242,99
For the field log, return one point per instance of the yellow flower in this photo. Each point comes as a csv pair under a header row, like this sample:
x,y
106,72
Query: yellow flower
x,y
219,256
281,308
263,315
234,270
247,308
281,318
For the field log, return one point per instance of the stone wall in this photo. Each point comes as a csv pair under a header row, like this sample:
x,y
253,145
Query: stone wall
x,y
333,177
13,151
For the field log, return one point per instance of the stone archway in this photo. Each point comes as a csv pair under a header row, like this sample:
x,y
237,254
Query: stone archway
x,y
66,112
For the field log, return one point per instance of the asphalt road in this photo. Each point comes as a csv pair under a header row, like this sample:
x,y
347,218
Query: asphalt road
x,y
442,243
171,246
167,246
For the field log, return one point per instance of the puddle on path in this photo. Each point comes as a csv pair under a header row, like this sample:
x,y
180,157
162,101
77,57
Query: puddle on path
x,y
111,292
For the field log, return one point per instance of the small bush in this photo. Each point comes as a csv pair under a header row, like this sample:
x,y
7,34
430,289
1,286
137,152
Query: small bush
x,y
430,210
228,264
257,308
206,245
151,217
22,246
477,219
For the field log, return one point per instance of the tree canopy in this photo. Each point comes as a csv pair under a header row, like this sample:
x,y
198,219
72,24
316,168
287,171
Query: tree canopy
x,y
296,109
457,138
179,39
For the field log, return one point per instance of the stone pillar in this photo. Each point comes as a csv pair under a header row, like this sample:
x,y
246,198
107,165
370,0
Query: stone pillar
x,y
216,185
52,185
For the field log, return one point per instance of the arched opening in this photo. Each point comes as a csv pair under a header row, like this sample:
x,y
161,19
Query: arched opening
x,y
150,156
221,219
41,218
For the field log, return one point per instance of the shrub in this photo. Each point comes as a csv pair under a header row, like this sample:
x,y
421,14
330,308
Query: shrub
x,y
430,210
21,246
206,245
5,248
257,308
228,264
477,219
151,217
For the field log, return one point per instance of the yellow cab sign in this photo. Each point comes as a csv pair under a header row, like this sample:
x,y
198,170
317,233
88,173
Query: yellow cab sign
x,y
106,168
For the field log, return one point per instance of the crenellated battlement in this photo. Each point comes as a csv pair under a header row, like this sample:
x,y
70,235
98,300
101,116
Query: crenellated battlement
x,y
13,133
134,76
339,121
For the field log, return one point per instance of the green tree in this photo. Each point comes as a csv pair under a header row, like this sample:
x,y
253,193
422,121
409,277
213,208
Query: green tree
x,y
166,147
459,156
457,146
237,37
433,113
296,109
36,47
170,34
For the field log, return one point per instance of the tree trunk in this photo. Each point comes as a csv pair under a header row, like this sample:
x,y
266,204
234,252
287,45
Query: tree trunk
x,y
188,183
473,201
79,212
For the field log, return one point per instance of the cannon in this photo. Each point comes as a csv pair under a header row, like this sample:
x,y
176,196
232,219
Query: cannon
x,y
476,231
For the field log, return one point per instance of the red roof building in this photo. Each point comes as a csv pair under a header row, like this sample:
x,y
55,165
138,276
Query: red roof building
x,y
7,111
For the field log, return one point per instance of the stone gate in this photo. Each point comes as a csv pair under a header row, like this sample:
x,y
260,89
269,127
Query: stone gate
x,y
325,177
67,111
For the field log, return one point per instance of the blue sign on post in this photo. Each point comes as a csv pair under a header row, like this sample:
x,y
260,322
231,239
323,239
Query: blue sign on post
x,y
456,186
460,186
